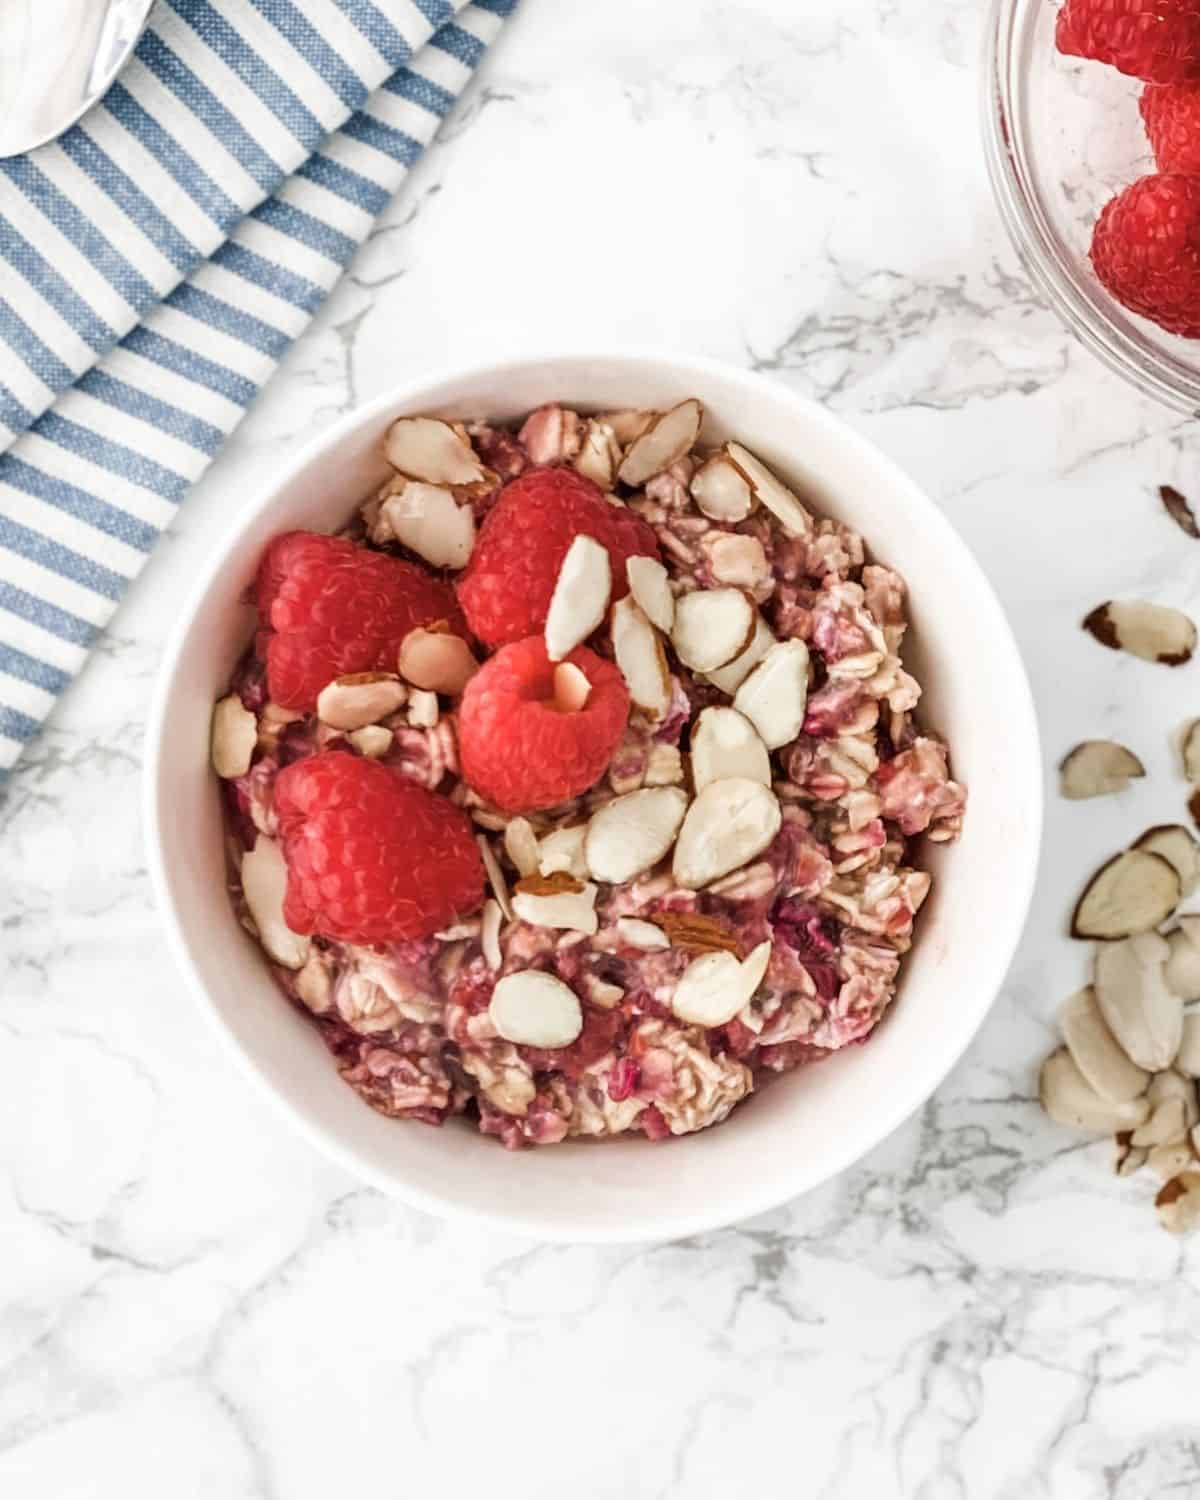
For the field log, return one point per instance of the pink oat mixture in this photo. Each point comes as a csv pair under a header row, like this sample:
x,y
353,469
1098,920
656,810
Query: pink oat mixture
x,y
836,893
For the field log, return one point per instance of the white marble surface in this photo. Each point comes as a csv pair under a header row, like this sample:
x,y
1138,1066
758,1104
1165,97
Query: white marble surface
x,y
192,1303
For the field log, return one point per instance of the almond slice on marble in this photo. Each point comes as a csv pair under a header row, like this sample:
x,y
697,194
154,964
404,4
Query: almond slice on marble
x,y
437,661
1179,510
1129,1158
636,933
723,744
372,740
630,834
423,710
1096,1052
715,986
1143,1015
362,698
640,657
599,454
428,449
729,679
667,439
1170,1159
580,599
1097,767
1153,632
1187,1059
1069,1098
770,492
534,1009
430,522
650,585
1178,1203
563,851
712,628
697,931
1172,1084
521,846
1182,972
234,737
720,489
1191,752
1178,847
1133,892
736,560
490,922
568,905
775,694
495,874
264,885
1164,1125
730,823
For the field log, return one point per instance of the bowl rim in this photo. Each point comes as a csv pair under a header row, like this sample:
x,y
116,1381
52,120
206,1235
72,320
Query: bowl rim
x,y
669,1224
1111,335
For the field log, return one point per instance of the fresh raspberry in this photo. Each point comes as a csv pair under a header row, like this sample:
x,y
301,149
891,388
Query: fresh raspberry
x,y
521,752
1158,40
1171,114
336,608
1146,251
506,589
372,857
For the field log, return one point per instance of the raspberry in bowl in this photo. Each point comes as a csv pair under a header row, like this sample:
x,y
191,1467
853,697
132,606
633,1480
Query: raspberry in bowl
x,y
613,815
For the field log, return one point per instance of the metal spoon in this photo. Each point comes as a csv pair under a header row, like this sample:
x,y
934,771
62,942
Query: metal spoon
x,y
57,57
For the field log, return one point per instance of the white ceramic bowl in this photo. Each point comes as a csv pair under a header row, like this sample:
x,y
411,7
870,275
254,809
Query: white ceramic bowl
x,y
806,1126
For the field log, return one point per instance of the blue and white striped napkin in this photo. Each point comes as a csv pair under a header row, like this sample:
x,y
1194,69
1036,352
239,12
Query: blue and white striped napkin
x,y
156,262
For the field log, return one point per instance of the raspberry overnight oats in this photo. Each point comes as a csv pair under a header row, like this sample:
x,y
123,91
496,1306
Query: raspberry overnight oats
x,y
576,788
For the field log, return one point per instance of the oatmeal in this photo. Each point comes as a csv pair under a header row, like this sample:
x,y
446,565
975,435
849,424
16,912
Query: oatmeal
x,y
577,788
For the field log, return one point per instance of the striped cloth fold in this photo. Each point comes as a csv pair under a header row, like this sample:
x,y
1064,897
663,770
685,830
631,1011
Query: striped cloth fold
x,y
156,262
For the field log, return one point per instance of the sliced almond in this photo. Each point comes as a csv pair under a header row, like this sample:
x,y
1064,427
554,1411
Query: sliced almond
x,y
697,931
1182,973
1191,752
664,766
1164,1125
714,987
1178,509
712,628
429,449
1130,1158
1096,1052
1097,767
423,710
737,560
1069,1098
1187,1059
430,522
437,661
563,851
1153,632
775,694
1178,847
1134,892
573,908
640,657
372,740
721,491
558,883
724,743
1168,1160
729,679
495,874
360,699
666,440
580,599
571,688
650,585
600,992
490,922
730,823
599,455
1178,1203
1141,1012
769,492
264,885
521,846
628,426
1171,1084
234,737
630,834
534,1009
635,933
